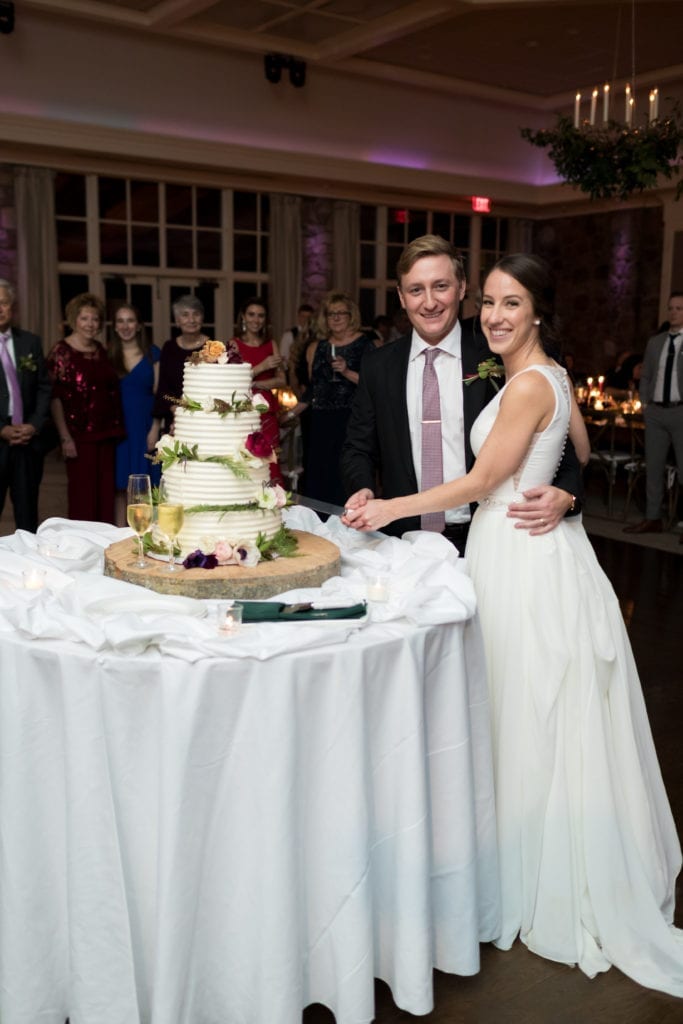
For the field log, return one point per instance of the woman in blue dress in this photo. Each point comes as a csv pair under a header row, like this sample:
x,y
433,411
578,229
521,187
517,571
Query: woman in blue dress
x,y
136,362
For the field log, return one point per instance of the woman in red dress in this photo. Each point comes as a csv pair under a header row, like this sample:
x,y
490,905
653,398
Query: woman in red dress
x,y
86,408
260,350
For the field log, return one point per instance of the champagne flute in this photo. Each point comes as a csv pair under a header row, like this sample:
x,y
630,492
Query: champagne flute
x,y
333,356
139,511
170,516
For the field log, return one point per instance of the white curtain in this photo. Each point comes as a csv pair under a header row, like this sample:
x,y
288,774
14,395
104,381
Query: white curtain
x,y
284,264
37,282
346,248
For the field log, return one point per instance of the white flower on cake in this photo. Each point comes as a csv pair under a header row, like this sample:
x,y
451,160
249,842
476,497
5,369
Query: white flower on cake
x,y
242,553
208,403
267,498
259,403
165,441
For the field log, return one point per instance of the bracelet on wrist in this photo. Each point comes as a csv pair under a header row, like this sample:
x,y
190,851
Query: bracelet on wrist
x,y
572,507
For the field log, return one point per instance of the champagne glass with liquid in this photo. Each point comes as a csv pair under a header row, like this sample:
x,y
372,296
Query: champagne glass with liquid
x,y
139,511
170,516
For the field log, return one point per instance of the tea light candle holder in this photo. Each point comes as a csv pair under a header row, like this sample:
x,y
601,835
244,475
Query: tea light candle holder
x,y
34,579
229,618
378,588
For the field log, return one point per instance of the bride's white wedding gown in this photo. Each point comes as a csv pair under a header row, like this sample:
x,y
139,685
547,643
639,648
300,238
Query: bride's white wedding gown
x,y
587,844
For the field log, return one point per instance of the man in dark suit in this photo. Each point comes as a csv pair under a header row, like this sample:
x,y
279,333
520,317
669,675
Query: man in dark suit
x,y
661,392
383,440
24,407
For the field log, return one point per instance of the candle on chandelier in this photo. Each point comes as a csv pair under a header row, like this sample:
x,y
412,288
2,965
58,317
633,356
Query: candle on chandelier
x,y
577,108
601,384
627,104
594,105
605,103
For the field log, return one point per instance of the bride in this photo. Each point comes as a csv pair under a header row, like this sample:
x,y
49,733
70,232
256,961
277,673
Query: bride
x,y
587,845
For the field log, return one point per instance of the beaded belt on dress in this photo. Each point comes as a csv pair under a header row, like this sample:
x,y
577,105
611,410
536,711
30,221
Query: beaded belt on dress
x,y
490,502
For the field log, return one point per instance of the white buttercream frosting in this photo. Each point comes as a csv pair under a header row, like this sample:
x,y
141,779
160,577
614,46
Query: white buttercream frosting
x,y
194,483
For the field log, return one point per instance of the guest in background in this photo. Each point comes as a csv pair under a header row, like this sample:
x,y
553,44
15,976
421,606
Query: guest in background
x,y
381,327
24,406
136,362
257,347
616,375
86,408
661,392
304,316
334,365
188,313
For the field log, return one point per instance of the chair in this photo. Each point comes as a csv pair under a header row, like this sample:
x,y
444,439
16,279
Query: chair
x,y
602,427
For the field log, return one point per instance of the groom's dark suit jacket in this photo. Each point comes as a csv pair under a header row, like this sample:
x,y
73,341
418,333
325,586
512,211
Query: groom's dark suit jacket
x,y
21,465
377,447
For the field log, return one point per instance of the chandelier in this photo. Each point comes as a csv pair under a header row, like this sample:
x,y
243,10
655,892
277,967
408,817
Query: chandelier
x,y
612,159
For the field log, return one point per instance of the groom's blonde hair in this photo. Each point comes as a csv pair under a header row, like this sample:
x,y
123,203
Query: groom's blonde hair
x,y
429,245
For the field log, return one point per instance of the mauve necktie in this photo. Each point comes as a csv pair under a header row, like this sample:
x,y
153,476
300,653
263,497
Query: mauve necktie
x,y
669,368
432,454
12,379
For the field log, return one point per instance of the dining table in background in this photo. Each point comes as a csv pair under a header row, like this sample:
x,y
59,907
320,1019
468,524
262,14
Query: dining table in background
x,y
206,828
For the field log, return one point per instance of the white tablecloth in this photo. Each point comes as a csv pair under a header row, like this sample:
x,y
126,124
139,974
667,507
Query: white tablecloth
x,y
230,836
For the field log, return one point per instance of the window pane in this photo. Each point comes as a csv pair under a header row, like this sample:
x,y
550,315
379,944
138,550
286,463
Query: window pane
x,y
207,294
265,212
367,260
209,207
70,195
244,211
113,243
114,293
366,302
71,285
503,235
179,247
141,297
144,201
461,231
368,223
263,246
245,252
488,233
208,250
393,254
441,224
72,241
178,206
396,228
145,243
112,197
417,223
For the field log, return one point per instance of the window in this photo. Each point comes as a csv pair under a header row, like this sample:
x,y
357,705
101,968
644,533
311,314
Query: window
x,y
146,242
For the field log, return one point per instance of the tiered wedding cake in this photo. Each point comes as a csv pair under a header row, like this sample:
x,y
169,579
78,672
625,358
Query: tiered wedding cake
x,y
217,463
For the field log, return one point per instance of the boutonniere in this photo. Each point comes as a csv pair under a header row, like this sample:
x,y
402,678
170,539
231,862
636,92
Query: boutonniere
x,y
28,363
488,369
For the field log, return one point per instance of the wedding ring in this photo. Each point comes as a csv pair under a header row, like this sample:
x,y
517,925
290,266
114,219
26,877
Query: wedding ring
x,y
542,522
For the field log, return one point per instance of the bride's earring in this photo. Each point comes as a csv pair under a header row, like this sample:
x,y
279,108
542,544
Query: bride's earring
x,y
537,323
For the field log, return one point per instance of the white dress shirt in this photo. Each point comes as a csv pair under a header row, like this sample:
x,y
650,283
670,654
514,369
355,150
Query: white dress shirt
x,y
448,368
659,382
13,357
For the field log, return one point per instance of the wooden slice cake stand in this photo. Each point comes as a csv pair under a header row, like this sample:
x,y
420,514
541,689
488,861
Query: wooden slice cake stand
x,y
316,560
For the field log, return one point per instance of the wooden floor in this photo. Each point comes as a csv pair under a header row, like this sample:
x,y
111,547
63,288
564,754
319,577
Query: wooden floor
x,y
517,987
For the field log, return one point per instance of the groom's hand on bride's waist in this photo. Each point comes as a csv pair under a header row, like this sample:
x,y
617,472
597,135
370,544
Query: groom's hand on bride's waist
x,y
543,509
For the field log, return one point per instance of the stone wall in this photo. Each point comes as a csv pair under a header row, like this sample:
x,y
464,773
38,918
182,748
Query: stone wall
x,y
8,226
317,230
608,271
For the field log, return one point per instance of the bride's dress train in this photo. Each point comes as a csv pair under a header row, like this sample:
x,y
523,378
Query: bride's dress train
x,y
588,848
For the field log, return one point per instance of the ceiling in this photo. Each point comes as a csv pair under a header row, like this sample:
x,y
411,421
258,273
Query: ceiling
x,y
522,51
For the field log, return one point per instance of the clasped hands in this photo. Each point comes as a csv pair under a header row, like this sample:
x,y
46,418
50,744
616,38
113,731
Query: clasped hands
x,y
17,433
543,509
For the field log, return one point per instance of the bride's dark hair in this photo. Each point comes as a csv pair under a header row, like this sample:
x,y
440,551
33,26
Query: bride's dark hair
x,y
534,274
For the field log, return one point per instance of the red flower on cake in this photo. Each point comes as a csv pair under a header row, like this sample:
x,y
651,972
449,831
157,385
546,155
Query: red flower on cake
x,y
258,444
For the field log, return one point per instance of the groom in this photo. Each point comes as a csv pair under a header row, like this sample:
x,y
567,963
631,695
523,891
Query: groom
x,y
383,448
